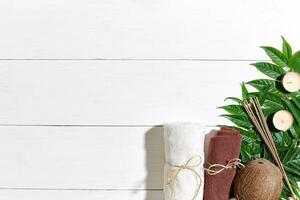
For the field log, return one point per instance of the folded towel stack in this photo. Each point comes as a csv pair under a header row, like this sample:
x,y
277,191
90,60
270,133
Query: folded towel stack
x,y
184,172
223,147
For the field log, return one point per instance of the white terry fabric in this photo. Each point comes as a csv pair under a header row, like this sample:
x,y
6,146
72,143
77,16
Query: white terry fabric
x,y
182,142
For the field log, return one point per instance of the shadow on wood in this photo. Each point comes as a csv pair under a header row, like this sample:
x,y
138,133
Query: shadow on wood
x,y
154,148
208,137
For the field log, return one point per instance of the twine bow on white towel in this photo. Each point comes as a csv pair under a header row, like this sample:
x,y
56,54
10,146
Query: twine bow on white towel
x,y
218,168
189,166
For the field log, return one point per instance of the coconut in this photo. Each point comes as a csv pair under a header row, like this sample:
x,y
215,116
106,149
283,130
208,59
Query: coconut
x,y
260,179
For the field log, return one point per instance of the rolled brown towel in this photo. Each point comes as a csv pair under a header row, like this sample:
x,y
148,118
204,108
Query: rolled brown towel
x,y
223,147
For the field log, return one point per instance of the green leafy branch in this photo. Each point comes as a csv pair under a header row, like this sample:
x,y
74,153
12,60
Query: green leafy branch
x,y
273,98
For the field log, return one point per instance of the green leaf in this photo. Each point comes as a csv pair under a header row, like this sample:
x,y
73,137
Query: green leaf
x,y
257,150
245,93
292,154
284,195
275,98
269,107
294,62
246,153
261,84
294,110
282,140
296,101
269,69
294,133
234,109
276,56
240,121
286,48
294,185
266,153
291,161
249,136
233,99
266,86
295,95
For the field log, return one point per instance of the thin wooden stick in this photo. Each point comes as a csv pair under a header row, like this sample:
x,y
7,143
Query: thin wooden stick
x,y
269,136
257,117
261,117
260,130
269,142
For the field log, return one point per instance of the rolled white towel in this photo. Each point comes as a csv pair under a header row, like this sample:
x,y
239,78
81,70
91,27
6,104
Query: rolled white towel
x,y
184,153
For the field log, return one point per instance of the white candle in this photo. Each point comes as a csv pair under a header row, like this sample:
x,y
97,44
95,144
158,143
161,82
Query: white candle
x,y
291,81
283,120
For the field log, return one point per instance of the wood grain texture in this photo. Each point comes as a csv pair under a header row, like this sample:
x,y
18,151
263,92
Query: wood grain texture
x,y
117,92
80,195
81,158
86,158
154,29
93,66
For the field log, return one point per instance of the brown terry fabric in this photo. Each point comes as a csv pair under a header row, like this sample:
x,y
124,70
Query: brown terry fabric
x,y
223,147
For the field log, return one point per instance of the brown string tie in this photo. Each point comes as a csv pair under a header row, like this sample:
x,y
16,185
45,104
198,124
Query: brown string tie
x,y
218,168
190,167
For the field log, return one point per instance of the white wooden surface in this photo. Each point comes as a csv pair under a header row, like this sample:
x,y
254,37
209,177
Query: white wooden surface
x,y
79,195
81,157
116,92
83,83
213,29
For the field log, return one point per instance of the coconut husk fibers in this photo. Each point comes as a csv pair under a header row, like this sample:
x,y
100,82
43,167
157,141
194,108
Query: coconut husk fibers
x,y
223,147
259,180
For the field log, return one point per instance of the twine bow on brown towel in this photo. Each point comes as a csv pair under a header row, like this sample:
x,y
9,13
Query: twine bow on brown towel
x,y
214,169
189,166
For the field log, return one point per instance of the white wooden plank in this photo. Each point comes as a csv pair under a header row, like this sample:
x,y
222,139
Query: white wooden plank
x,y
214,29
81,158
117,92
80,195
68,158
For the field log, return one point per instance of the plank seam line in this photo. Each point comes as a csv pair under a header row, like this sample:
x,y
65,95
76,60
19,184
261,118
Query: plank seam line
x,y
80,125
91,126
77,189
131,59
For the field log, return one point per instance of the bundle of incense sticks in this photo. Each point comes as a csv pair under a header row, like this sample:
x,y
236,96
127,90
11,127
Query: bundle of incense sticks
x,y
256,115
